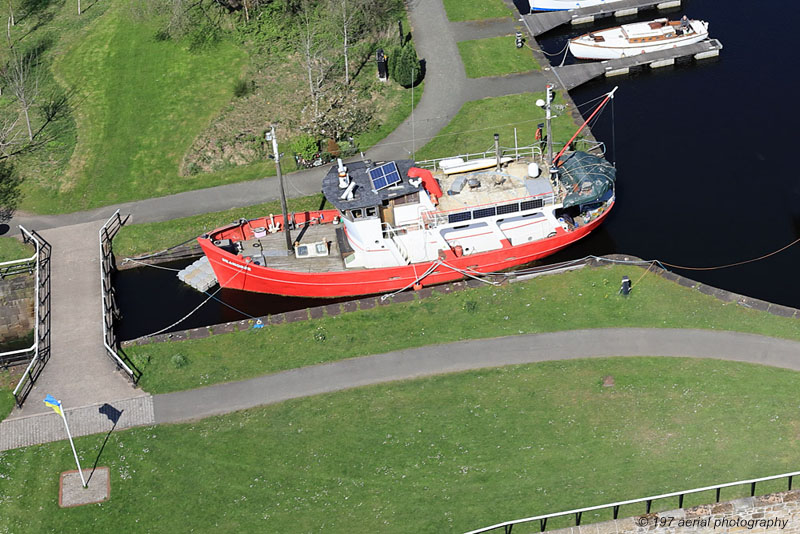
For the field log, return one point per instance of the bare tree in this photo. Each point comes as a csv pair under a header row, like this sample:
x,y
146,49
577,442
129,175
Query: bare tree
x,y
10,136
23,79
313,47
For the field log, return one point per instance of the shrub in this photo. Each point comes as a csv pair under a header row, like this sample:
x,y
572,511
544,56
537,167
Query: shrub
x,y
407,70
306,146
179,360
242,88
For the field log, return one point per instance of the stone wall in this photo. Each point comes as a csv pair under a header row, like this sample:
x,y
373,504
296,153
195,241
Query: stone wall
x,y
16,307
778,512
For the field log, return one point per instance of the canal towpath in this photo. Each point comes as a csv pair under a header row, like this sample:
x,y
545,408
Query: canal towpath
x,y
409,364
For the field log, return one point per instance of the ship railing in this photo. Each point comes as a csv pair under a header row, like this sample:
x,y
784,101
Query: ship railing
x,y
39,351
532,151
507,526
108,303
393,234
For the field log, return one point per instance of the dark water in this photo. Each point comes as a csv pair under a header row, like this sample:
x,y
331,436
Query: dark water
x,y
706,172
151,299
705,155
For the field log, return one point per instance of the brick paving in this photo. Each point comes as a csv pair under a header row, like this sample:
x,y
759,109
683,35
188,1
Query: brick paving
x,y
47,427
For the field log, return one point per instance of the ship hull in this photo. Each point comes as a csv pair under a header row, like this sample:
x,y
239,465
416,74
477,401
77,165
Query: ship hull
x,y
233,273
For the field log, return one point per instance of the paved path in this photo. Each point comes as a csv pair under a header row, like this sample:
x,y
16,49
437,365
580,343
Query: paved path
x,y
408,364
454,357
78,372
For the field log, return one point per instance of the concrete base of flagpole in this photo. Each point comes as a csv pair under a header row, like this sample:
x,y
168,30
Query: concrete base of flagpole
x,y
72,493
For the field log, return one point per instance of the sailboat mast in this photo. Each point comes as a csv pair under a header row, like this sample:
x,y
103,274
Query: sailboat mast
x,y
608,97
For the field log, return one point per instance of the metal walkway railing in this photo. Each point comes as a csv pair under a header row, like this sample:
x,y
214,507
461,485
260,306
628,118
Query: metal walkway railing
x,y
39,352
108,301
648,501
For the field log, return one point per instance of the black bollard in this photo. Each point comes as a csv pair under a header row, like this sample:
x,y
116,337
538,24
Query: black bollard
x,y
625,289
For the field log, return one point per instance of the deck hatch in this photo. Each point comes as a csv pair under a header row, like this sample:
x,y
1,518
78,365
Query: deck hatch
x,y
384,176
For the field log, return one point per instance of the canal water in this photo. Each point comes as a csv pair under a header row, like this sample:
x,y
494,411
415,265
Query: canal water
x,y
707,172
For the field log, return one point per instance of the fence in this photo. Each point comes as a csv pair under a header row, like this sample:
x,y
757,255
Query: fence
x,y
39,352
110,310
648,501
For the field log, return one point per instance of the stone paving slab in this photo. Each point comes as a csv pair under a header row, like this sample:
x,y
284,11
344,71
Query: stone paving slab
x,y
72,493
43,428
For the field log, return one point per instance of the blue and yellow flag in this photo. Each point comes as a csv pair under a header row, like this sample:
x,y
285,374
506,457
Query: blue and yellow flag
x,y
54,404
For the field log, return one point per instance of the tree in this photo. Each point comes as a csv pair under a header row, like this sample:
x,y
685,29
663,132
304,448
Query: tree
x,y
407,70
313,46
10,193
22,78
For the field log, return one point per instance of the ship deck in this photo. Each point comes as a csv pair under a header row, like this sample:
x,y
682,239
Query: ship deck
x,y
489,192
273,246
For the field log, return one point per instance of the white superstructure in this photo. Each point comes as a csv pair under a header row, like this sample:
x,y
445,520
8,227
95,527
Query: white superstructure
x,y
638,38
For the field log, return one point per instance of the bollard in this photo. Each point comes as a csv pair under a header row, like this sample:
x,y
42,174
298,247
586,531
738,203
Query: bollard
x,y
625,289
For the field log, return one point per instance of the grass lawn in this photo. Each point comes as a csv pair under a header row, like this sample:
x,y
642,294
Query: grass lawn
x,y
14,249
141,103
581,299
472,128
8,381
441,454
137,239
458,10
495,56
396,115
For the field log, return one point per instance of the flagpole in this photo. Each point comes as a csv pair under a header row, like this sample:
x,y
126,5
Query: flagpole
x,y
80,471
57,407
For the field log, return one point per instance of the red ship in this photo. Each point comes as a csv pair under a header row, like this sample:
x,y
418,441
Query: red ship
x,y
399,225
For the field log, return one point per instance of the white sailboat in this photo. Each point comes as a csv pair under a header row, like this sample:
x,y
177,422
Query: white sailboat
x,y
638,38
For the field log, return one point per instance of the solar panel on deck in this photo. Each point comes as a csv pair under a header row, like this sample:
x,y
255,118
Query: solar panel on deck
x,y
384,176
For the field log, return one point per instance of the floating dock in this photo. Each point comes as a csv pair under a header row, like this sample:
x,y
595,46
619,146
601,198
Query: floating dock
x,y
571,76
539,23
199,275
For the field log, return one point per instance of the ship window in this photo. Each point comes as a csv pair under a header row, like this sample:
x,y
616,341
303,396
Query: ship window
x,y
531,204
302,250
412,198
371,212
483,212
357,214
459,217
507,208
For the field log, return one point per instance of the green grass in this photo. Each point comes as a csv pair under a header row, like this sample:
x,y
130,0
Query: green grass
x,y
495,56
442,454
14,249
140,104
6,402
459,10
472,128
136,239
398,113
8,381
582,299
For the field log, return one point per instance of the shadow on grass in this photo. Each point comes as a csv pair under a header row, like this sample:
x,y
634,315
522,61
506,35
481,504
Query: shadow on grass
x,y
113,415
